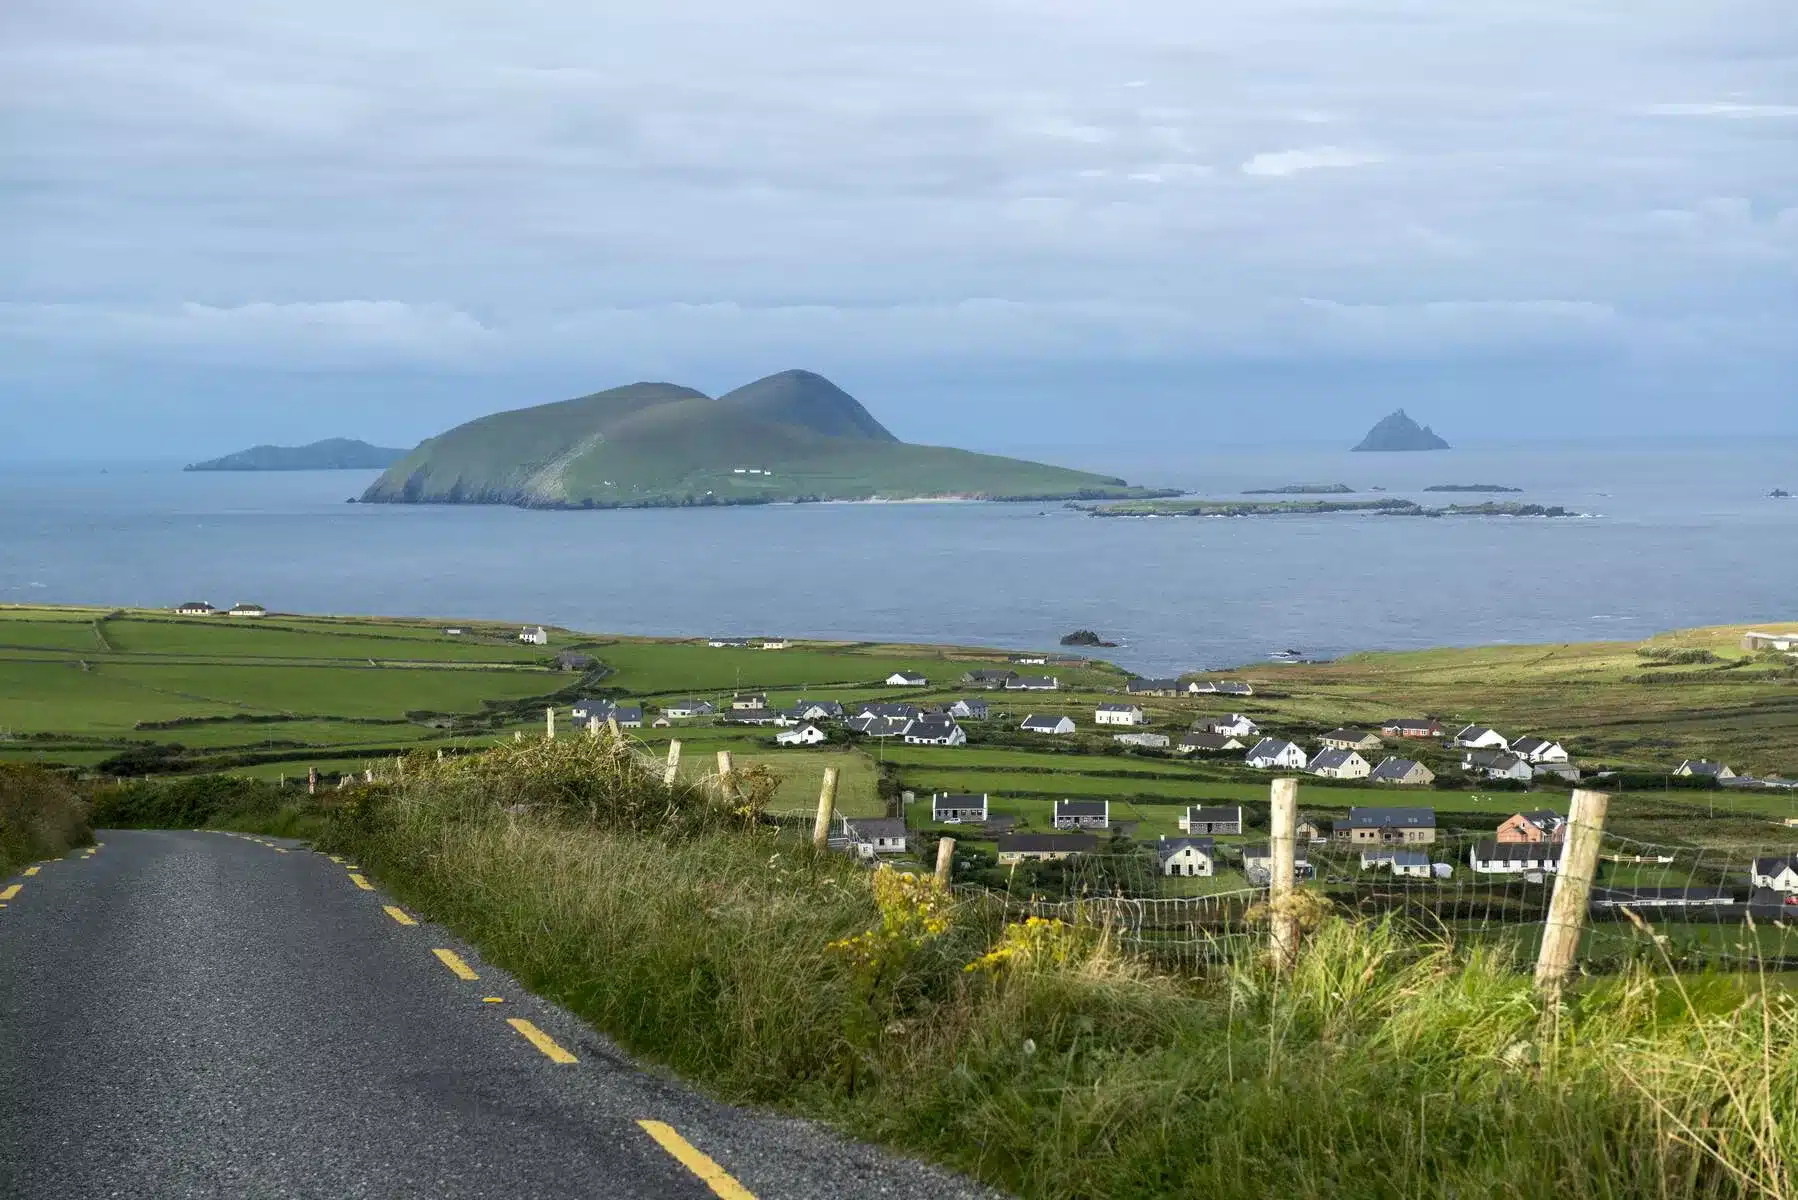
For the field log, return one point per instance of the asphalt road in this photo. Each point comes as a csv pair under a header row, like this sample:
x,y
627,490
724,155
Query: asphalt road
x,y
205,1014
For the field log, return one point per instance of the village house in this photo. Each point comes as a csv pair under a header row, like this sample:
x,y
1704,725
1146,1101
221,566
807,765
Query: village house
x,y
1779,873
1258,865
1539,826
748,700
1310,829
536,635
802,735
953,808
1340,764
1146,741
1015,848
682,710
870,837
1349,739
256,610
1413,863
1412,728
1224,688
1703,768
1497,764
934,729
1403,771
628,716
775,644
1190,857
988,679
1383,826
1030,660
1271,753
728,643
1207,743
1120,714
570,660
1480,737
888,708
196,608
1493,857
969,709
753,716
1225,822
1153,687
1033,683
816,710
1058,726
585,710
1755,640
1534,749
875,725
1081,814
906,679
1236,725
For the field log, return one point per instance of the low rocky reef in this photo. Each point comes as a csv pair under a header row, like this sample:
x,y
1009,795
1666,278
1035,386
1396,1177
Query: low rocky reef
x,y
1272,508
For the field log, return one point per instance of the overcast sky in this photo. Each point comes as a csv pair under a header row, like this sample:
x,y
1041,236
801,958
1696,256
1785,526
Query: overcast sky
x,y
997,222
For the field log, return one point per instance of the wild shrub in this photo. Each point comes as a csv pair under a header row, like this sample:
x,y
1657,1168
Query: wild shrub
x,y
41,816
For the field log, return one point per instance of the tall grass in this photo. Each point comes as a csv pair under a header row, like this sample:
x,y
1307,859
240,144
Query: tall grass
x,y
41,816
1058,1067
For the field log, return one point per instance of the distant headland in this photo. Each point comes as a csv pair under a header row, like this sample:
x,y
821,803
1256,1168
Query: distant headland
x,y
791,437
1399,432
332,454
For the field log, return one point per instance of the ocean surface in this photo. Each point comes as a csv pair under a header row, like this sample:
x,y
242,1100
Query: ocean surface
x,y
1673,536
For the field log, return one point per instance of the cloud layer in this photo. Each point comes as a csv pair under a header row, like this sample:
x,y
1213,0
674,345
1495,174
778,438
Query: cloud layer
x,y
942,192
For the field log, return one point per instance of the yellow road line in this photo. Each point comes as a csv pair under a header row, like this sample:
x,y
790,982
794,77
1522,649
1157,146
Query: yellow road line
x,y
399,914
709,1172
7,893
280,850
335,859
543,1042
360,882
453,961
493,999
30,871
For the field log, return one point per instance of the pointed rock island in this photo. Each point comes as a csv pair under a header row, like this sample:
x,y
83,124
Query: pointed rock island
x,y
1399,432
794,436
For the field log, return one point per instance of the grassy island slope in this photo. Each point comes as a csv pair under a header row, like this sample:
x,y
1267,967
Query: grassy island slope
x,y
792,436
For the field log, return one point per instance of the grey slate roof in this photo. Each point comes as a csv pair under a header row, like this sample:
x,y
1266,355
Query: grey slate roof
x,y
1167,847
867,829
1078,843
1080,808
1330,760
1391,818
1393,768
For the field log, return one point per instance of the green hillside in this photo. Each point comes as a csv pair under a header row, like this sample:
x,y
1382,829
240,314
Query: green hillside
x,y
332,454
791,436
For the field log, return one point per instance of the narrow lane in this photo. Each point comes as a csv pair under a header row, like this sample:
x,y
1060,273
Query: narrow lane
x,y
203,1014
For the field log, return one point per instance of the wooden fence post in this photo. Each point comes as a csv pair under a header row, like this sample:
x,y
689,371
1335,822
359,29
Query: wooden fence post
x,y
614,730
593,728
1283,825
1573,889
672,771
827,805
945,860
724,773
549,723
312,781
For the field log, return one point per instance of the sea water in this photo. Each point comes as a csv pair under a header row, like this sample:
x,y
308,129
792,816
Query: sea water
x,y
1673,536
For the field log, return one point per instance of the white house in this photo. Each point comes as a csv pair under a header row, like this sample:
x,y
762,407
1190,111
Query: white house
x,y
196,608
934,729
1148,741
949,808
681,710
1539,750
1047,724
1498,764
1207,743
969,709
1340,764
1082,814
1272,753
749,701
804,735
906,679
1493,857
1704,767
817,710
1236,725
728,643
1413,863
536,635
1199,819
870,837
1033,683
775,643
1780,874
1186,856
1120,714
1480,737
256,610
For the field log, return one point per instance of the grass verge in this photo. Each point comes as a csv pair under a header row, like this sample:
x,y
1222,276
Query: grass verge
x,y
41,816
1038,1058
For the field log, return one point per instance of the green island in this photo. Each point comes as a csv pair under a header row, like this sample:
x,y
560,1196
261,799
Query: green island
x,y
1471,487
793,437
1138,1013
331,454
1303,489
